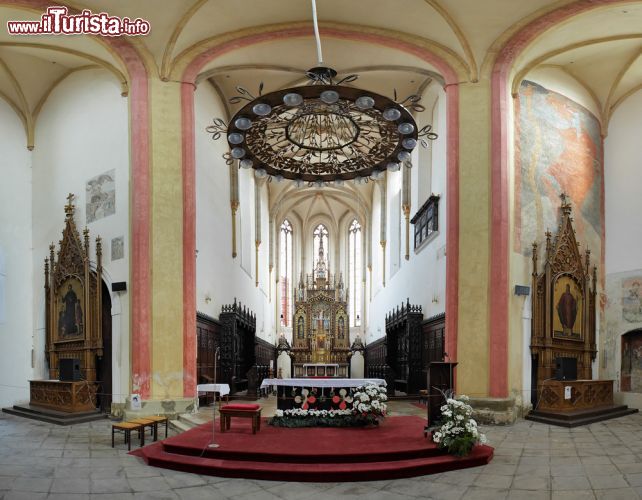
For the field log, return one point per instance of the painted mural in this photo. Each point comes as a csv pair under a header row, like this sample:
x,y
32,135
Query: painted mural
x,y
558,148
632,299
101,196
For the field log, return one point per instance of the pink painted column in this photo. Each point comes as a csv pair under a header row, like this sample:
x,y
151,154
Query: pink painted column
x,y
452,222
140,239
189,241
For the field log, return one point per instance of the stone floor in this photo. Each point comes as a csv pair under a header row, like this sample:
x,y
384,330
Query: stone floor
x,y
532,461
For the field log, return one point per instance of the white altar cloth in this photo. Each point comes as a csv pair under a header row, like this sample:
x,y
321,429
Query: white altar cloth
x,y
222,389
321,382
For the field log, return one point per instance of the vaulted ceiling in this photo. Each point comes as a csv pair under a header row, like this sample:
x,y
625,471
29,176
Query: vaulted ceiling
x,y
600,47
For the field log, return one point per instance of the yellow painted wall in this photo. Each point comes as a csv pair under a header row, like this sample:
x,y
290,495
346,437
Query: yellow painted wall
x,y
167,241
474,238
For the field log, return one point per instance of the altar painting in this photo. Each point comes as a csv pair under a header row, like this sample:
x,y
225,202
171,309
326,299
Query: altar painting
x,y
70,313
567,309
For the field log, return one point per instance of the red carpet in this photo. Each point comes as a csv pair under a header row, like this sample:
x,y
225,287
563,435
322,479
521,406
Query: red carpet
x,y
395,449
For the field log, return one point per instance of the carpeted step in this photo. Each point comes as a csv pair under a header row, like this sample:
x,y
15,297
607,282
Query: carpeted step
x,y
313,472
224,453
396,439
396,449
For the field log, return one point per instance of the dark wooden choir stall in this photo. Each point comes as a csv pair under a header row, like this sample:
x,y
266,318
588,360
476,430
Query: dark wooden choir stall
x,y
244,359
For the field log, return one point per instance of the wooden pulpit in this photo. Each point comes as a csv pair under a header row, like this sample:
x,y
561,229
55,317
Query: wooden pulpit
x,y
441,377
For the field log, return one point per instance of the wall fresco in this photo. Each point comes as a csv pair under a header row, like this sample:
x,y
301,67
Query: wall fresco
x,y
558,148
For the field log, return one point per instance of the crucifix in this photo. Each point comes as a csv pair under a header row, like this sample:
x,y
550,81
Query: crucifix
x,y
69,207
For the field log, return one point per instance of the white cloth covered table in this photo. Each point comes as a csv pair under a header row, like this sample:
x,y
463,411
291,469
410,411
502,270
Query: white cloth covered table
x,y
222,389
321,382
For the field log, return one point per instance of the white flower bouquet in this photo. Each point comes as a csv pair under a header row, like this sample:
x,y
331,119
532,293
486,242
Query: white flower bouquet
x,y
458,431
369,403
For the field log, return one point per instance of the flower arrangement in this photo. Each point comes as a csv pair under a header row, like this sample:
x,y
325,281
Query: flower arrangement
x,y
368,407
458,431
369,403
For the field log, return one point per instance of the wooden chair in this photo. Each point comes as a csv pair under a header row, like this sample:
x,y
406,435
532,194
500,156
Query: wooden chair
x,y
252,411
126,428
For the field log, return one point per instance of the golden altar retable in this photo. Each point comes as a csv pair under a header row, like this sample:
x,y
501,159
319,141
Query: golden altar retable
x,y
320,326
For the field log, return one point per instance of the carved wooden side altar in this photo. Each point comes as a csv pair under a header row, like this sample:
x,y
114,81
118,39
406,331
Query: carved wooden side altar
x,y
563,326
320,327
563,323
73,320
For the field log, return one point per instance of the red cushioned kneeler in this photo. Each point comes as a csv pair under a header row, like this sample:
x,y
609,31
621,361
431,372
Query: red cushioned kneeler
x,y
241,407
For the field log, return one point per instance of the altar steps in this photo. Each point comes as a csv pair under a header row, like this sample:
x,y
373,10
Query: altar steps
x,y
398,449
314,472
580,417
52,416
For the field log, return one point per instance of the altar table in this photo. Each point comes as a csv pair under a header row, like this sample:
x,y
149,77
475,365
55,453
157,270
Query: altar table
x,y
222,389
318,394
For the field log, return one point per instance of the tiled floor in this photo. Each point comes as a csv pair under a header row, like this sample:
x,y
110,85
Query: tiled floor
x,y
532,461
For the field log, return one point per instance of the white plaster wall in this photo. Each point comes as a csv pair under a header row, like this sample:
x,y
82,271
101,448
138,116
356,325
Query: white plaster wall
x,y
219,277
422,278
623,206
83,131
623,187
16,285
560,81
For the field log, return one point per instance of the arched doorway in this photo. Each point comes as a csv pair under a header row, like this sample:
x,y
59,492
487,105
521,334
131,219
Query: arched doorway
x,y
103,363
631,367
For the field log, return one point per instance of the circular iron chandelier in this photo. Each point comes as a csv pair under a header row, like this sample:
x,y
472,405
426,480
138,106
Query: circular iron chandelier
x,y
322,132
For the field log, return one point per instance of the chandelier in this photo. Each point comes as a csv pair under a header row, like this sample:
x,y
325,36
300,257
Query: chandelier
x,y
322,132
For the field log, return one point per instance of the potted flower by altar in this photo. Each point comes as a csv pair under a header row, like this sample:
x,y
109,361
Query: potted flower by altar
x,y
368,408
369,404
457,431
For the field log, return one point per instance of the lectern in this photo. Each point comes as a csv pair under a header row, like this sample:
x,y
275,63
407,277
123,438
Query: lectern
x,y
440,380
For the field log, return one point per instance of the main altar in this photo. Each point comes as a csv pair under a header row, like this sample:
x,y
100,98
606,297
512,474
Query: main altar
x,y
320,326
319,394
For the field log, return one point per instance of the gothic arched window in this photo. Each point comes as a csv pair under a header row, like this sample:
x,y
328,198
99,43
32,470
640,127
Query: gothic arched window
x,y
286,271
354,272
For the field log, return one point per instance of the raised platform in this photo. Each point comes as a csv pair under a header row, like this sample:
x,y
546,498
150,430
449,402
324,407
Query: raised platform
x,y
575,418
396,449
42,414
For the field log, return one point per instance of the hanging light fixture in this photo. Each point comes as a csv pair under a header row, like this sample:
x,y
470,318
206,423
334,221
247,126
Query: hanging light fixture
x,y
322,132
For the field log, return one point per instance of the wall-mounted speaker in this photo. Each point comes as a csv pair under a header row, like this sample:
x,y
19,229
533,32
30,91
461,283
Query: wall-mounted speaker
x,y
119,286
69,370
522,290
